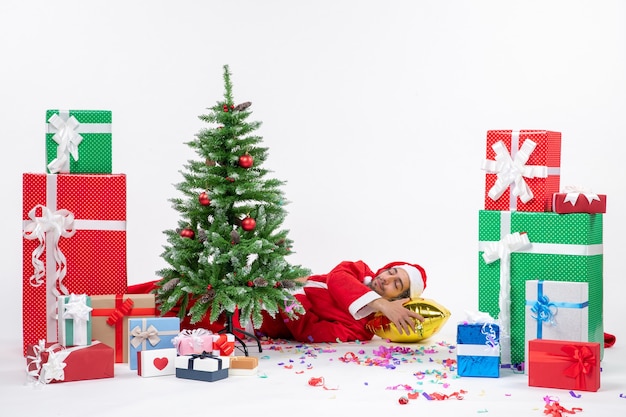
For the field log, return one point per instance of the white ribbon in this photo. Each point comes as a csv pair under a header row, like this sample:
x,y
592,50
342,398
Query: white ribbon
x,y
502,250
77,310
140,336
67,138
53,369
574,192
194,338
52,226
511,170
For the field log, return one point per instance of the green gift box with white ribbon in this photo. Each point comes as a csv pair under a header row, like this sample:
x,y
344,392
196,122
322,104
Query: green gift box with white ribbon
x,y
79,142
515,247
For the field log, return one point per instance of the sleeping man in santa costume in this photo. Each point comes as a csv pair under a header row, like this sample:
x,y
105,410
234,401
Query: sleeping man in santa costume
x,y
339,304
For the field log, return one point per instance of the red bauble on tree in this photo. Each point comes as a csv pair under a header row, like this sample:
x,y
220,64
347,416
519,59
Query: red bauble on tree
x,y
248,224
203,198
246,160
188,233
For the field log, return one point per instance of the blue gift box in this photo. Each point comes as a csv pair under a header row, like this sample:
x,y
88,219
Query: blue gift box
x,y
478,349
150,333
202,367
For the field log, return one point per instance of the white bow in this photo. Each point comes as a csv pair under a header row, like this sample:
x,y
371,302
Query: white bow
x,y
51,226
513,171
67,139
574,192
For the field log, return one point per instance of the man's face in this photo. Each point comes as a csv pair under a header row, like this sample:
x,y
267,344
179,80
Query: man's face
x,y
391,283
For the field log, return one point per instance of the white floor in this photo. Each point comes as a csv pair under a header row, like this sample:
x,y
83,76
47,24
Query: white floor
x,y
312,379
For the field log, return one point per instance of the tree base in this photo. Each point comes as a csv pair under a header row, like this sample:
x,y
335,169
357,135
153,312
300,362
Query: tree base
x,y
229,328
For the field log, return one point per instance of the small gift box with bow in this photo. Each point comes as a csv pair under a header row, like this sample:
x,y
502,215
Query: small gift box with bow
x,y
557,310
150,334
51,362
158,362
478,348
79,141
224,344
578,200
522,169
202,367
191,341
74,325
564,364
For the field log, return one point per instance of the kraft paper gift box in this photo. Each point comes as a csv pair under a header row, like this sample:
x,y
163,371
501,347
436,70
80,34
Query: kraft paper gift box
x,y
74,229
149,334
522,169
74,322
79,141
564,364
557,311
478,349
110,316
191,341
243,365
158,362
578,200
50,362
515,247
202,367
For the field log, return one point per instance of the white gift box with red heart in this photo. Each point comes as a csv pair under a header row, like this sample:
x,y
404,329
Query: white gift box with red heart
x,y
157,362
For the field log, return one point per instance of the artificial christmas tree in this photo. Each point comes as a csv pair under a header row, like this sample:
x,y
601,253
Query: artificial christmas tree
x,y
228,253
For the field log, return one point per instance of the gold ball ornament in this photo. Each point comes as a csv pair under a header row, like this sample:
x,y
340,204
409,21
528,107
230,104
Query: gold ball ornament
x,y
435,316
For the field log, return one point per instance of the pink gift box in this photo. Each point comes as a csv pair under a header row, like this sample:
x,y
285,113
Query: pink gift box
x,y
523,170
193,341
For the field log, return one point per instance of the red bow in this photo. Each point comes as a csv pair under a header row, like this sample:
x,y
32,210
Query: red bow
x,y
120,312
583,361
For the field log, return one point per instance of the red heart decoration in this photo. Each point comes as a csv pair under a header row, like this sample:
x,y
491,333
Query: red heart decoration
x,y
160,363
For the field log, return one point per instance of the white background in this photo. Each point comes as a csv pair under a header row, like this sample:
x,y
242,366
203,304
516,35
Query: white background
x,y
375,113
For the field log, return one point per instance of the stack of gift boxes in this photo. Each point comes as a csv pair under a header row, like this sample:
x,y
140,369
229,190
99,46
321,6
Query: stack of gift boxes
x,y
75,307
540,262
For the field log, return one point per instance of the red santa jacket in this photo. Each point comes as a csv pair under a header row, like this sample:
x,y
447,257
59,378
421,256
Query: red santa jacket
x,y
336,305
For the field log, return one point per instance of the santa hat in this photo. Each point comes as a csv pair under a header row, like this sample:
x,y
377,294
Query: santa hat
x,y
417,276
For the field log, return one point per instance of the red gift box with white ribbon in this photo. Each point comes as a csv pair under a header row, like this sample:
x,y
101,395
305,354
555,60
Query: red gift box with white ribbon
x,y
74,229
48,362
578,200
522,169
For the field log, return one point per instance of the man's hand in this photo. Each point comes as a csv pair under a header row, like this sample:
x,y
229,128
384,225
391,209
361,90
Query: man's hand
x,y
402,317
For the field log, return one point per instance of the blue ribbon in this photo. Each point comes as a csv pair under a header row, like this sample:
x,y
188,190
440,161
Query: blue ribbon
x,y
544,310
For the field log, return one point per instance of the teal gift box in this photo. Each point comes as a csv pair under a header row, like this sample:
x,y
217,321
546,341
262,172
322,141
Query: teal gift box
x,y
74,325
150,333
79,142
560,247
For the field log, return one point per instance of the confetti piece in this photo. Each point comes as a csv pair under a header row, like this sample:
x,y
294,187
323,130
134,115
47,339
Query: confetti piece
x,y
482,411
413,395
622,396
573,394
403,400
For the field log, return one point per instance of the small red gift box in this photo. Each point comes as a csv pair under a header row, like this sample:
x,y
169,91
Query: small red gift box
x,y
564,364
574,200
523,169
51,362
74,229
